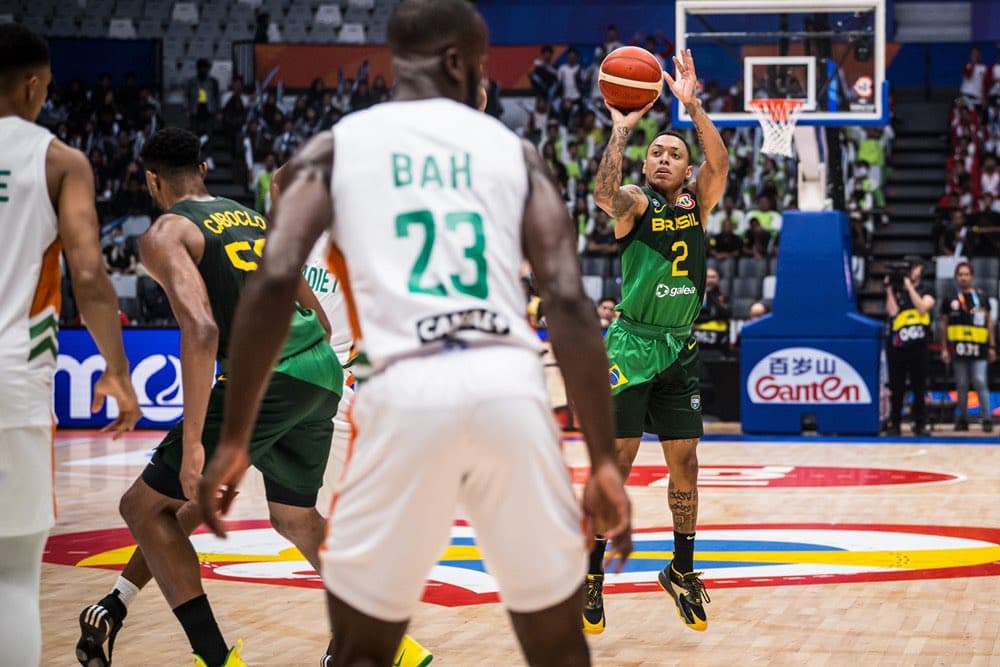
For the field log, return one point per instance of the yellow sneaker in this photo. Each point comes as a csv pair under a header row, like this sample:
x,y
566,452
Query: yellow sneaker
x,y
593,608
233,658
411,654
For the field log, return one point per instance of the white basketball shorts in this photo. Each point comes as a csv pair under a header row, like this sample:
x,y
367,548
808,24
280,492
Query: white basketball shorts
x,y
338,449
469,429
26,480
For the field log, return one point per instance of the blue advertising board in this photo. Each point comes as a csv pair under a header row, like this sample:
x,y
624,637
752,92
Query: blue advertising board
x,y
154,357
814,357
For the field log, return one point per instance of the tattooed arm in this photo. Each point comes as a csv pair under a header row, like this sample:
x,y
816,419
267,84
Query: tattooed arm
x,y
712,174
623,203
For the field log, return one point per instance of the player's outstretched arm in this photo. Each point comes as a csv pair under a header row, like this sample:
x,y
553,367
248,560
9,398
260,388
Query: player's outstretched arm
x,y
71,180
168,250
550,246
712,174
623,203
264,315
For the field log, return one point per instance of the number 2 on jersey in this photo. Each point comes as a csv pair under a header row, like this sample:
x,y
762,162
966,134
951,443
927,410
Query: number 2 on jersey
x,y
478,287
675,268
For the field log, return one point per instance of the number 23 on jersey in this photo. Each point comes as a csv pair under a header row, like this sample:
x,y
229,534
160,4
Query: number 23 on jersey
x,y
474,254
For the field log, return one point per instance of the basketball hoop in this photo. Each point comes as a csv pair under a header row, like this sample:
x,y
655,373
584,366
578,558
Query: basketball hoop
x,y
777,118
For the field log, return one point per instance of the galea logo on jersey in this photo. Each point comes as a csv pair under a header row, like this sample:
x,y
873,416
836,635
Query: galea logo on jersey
x,y
797,375
696,402
446,325
770,476
663,291
684,201
731,556
616,377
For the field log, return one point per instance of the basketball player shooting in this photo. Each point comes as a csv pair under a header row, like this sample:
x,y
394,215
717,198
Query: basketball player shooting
x,y
652,354
433,207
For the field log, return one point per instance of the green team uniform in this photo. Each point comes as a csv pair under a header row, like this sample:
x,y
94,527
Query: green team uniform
x,y
653,358
290,442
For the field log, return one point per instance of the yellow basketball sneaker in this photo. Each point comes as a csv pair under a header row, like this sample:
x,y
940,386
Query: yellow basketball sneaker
x,y
233,658
689,596
411,654
593,608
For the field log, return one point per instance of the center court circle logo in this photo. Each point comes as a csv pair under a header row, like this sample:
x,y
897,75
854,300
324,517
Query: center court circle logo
x,y
778,476
731,556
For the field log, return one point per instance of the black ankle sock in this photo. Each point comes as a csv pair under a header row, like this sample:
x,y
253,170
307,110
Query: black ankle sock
x,y
202,631
597,557
114,605
683,552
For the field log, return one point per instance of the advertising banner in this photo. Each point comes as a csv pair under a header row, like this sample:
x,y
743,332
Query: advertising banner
x,y
154,357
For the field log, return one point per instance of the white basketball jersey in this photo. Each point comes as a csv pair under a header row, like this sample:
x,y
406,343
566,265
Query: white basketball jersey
x,y
330,296
428,200
30,279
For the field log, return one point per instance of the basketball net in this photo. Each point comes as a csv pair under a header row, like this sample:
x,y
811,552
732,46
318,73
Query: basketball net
x,y
777,118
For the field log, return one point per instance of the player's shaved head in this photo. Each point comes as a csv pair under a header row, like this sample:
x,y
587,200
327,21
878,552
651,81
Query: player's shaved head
x,y
172,152
438,49
21,50
425,27
671,133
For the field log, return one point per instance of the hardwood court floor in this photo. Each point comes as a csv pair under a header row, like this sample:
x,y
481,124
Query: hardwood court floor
x,y
759,614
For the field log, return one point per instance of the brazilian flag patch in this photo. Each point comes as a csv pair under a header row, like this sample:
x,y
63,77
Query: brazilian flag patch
x,y
616,377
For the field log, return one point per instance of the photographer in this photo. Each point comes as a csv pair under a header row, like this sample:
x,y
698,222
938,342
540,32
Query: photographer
x,y
908,306
967,328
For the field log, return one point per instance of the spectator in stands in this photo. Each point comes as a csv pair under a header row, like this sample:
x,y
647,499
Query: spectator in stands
x,y
756,240
556,167
606,312
974,77
570,84
286,143
726,212
726,244
118,257
601,241
989,179
757,310
957,237
262,202
769,219
611,39
262,33
711,328
202,95
571,161
969,344
908,305
589,77
544,76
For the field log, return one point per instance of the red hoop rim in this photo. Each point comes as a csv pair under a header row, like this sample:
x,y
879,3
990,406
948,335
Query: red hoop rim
x,y
779,108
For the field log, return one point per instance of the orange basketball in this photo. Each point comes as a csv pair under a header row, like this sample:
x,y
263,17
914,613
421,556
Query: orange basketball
x,y
630,78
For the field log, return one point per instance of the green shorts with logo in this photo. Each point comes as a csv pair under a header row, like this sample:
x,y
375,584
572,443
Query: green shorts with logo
x,y
291,440
654,381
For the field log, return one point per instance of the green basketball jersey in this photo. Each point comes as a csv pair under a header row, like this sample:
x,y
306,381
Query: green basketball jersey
x,y
234,242
664,263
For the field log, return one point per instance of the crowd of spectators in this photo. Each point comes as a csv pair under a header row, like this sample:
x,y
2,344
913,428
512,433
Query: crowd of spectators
x,y
968,212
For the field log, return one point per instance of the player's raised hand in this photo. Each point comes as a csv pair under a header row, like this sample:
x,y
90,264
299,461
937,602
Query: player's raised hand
x,y
608,510
219,484
622,119
119,387
684,83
